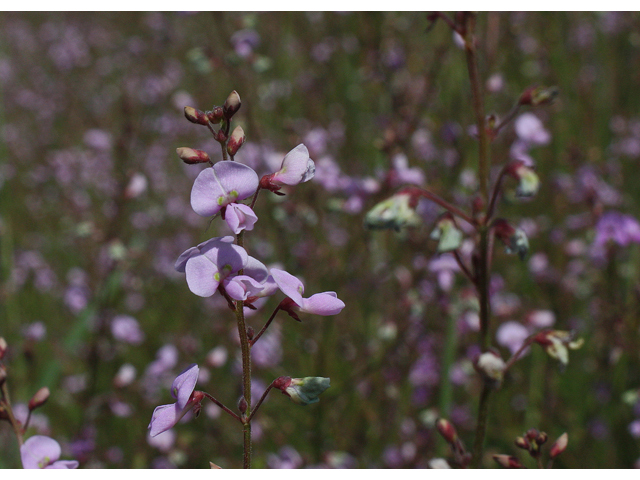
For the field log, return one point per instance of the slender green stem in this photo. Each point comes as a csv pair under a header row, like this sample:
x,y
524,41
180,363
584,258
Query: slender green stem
x,y
478,105
481,427
245,348
15,424
482,283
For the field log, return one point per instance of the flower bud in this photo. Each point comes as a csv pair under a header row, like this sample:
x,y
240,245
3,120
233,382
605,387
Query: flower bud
x,y
522,442
236,140
491,365
221,137
191,156
242,405
215,115
395,212
526,175
514,239
39,399
447,430
3,347
536,96
507,461
231,105
559,446
542,438
305,391
196,116
447,233
3,374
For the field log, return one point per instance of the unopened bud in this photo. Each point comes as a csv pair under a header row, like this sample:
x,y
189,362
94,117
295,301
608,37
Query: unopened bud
x,y
242,405
3,347
514,239
221,136
447,430
447,233
39,399
250,333
215,115
236,140
559,446
3,374
536,96
507,461
522,442
305,391
526,175
542,438
491,365
191,156
231,105
196,116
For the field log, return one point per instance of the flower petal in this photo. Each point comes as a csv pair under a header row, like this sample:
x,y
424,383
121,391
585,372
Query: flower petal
x,y
289,285
240,217
201,276
207,194
181,262
63,464
39,451
164,417
326,303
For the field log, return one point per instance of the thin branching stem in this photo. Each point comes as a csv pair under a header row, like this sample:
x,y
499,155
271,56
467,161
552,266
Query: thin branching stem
x,y
443,203
15,424
222,406
264,395
266,325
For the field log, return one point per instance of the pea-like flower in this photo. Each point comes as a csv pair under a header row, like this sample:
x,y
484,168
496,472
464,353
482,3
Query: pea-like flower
x,y
43,452
167,416
325,303
224,183
296,168
447,233
514,239
395,212
210,263
557,344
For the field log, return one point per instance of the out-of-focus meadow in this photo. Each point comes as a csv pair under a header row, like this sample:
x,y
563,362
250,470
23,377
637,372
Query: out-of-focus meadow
x,y
94,211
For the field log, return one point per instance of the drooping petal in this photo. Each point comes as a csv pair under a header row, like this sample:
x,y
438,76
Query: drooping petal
x,y
296,168
203,277
184,384
240,217
290,285
164,417
326,303
242,287
256,269
39,451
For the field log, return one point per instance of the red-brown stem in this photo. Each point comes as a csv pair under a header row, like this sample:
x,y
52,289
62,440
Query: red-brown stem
x,y
514,358
266,325
264,395
15,424
463,267
443,203
510,116
494,195
255,197
222,406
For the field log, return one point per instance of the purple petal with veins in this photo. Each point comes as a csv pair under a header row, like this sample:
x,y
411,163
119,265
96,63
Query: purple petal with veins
x,y
224,183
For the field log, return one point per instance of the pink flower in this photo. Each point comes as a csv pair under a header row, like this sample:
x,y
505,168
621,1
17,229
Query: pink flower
x,y
296,168
326,303
167,416
43,452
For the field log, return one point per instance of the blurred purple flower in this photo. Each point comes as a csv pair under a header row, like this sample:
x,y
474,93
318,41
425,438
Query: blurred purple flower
x,y
511,335
43,452
287,457
244,41
530,130
126,329
35,331
325,303
163,441
618,228
634,428
224,183
166,416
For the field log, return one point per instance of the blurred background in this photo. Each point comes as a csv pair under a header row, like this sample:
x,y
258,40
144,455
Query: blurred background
x,y
94,211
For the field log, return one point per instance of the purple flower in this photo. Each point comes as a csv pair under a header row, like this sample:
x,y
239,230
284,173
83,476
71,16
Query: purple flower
x,y
255,283
224,183
530,130
240,217
126,329
326,303
618,228
211,262
43,452
511,335
296,168
166,416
